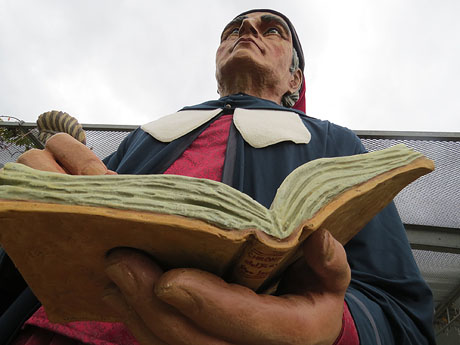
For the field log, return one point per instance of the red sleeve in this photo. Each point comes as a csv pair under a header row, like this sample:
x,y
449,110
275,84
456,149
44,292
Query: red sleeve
x,y
349,334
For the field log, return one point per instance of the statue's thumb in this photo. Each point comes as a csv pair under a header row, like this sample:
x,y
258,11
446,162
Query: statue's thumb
x,y
327,258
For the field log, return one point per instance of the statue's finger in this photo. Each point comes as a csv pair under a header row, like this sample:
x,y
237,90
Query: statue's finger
x,y
114,299
236,313
135,275
73,156
328,259
40,160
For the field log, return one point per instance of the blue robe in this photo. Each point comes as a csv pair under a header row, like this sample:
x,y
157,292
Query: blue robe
x,y
388,299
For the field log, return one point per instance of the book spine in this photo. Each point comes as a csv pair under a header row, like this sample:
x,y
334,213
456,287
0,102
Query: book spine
x,y
256,264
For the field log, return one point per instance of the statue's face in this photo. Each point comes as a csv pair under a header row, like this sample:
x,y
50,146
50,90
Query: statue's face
x,y
261,41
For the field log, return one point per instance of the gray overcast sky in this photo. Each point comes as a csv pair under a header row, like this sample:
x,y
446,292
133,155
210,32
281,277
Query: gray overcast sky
x,y
384,65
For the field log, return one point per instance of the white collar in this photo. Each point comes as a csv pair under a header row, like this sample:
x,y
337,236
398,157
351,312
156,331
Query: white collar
x,y
258,127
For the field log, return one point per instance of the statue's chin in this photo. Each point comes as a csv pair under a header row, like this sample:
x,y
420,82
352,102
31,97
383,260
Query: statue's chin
x,y
243,68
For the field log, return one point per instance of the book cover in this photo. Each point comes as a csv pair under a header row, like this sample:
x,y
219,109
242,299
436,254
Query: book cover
x,y
58,228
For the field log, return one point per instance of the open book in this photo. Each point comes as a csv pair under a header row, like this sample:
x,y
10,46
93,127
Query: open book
x,y
57,228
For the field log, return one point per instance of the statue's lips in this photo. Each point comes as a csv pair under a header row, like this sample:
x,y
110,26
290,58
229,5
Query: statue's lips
x,y
245,40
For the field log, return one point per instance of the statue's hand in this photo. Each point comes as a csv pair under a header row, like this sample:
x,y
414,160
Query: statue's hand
x,y
189,306
64,154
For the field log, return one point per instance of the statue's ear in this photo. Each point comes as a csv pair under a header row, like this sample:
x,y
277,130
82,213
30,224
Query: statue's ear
x,y
296,81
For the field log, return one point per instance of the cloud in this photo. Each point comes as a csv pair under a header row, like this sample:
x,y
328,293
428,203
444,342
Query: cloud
x,y
370,65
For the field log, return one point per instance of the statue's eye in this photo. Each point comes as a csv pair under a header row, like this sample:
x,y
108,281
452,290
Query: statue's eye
x,y
235,31
273,31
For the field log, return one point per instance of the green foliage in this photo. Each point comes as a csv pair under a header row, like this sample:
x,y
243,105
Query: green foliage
x,y
15,137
